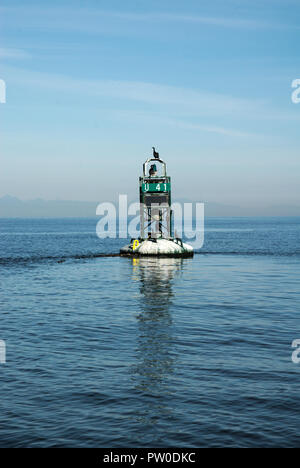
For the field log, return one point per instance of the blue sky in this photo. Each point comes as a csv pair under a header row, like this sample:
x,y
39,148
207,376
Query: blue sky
x,y
93,85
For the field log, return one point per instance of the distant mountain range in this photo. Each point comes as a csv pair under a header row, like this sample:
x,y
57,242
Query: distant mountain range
x,y
12,207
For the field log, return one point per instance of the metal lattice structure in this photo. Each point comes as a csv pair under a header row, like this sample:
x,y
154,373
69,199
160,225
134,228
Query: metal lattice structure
x,y
155,200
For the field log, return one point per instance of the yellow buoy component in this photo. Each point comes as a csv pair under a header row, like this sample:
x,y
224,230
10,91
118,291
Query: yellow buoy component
x,y
135,244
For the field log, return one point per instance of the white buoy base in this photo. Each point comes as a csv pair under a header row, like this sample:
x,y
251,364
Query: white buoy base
x,y
158,247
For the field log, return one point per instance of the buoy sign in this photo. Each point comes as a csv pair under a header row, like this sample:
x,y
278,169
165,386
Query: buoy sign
x,y
156,187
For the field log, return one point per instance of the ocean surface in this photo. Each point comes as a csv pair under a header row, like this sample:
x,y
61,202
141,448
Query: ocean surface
x,y
120,352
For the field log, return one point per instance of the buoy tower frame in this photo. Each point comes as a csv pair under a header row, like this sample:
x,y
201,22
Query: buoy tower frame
x,y
156,217
155,201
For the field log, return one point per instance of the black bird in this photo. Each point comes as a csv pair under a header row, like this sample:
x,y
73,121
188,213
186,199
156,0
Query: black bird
x,y
155,153
152,170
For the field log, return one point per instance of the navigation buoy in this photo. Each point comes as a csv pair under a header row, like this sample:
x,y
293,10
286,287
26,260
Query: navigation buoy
x,y
156,216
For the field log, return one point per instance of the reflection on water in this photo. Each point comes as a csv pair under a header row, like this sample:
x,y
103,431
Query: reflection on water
x,y
154,351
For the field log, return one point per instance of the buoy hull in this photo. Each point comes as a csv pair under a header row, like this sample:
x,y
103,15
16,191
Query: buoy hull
x,y
158,248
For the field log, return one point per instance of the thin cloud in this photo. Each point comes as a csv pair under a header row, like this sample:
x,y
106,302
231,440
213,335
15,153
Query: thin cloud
x,y
226,22
95,20
183,100
154,119
172,105
13,53
178,102
209,129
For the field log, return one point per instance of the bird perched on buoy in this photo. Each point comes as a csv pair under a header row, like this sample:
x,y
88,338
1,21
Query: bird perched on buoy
x,y
155,153
153,170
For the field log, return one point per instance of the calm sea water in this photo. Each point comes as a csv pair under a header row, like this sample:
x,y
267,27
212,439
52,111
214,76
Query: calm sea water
x,y
117,352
